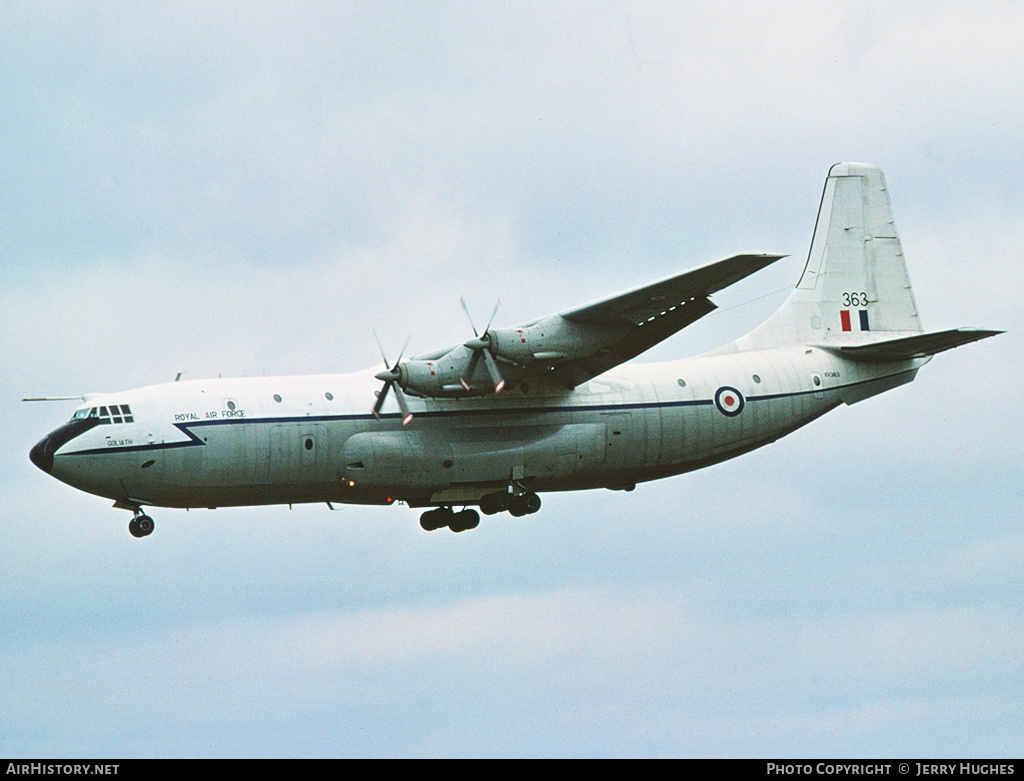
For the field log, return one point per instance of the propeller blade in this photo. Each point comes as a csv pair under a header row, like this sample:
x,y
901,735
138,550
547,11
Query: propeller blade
x,y
492,369
406,415
493,314
402,352
462,300
384,356
381,348
390,377
481,344
470,368
380,400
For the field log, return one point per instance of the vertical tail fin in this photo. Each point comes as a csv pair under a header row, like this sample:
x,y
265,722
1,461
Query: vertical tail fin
x,y
855,280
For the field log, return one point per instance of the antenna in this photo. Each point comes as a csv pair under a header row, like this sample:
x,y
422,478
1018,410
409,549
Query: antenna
x,y
79,397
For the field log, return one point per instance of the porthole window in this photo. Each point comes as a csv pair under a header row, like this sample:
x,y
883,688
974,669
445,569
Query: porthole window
x,y
231,405
277,398
757,378
817,380
329,396
682,383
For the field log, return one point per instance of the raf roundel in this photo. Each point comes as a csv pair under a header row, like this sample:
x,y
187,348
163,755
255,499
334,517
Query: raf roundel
x,y
729,401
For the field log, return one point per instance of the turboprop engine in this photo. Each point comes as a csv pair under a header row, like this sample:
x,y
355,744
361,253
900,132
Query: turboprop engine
x,y
447,376
484,364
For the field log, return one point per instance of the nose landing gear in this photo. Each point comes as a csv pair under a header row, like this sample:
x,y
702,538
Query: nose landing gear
x,y
141,525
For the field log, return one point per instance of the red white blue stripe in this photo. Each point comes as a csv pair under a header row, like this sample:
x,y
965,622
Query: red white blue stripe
x,y
854,322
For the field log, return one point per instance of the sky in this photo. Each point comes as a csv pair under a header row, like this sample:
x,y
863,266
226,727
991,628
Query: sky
x,y
250,189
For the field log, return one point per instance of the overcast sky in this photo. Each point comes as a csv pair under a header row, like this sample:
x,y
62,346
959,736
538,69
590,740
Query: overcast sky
x,y
251,188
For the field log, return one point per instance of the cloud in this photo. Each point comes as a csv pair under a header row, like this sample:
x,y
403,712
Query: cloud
x,y
606,671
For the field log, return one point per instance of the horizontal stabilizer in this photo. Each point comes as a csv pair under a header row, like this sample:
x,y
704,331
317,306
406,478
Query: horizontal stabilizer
x,y
908,347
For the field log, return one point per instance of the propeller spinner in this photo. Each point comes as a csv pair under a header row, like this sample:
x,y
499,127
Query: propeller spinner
x,y
391,377
482,344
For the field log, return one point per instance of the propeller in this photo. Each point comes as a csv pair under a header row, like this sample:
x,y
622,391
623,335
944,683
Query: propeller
x,y
390,377
481,344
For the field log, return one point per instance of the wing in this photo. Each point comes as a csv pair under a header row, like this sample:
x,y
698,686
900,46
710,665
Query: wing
x,y
575,345
619,328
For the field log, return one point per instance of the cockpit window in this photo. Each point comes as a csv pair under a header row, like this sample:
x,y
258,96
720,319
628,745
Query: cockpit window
x,y
115,413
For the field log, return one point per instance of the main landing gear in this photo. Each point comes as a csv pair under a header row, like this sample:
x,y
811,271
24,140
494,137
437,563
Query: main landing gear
x,y
432,520
517,505
141,525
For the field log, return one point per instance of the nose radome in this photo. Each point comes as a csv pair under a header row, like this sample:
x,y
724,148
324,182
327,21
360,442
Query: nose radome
x,y
42,454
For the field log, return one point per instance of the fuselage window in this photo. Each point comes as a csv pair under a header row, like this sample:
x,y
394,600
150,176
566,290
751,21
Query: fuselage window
x,y
277,398
329,396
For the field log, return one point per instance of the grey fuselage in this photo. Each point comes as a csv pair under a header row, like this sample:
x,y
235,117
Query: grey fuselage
x,y
283,440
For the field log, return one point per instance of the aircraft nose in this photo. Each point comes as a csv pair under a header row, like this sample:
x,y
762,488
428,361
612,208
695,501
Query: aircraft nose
x,y
42,454
46,448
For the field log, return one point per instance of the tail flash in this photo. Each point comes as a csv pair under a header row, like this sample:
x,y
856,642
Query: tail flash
x,y
855,280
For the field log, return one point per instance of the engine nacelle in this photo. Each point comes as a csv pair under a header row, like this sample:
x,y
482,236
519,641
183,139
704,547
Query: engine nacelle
x,y
549,341
513,353
442,377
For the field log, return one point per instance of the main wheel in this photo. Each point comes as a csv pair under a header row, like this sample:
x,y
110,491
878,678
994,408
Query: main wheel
x,y
490,504
432,520
524,504
532,503
464,521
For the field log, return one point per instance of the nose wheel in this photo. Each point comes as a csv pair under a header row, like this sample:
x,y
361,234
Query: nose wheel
x,y
141,525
